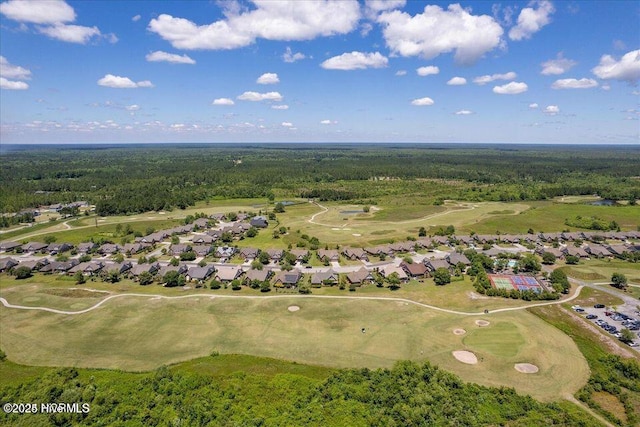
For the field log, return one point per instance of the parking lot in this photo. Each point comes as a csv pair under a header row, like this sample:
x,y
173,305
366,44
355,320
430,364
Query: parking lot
x,y
612,322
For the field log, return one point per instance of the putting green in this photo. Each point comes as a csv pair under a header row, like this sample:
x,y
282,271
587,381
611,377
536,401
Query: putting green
x,y
499,339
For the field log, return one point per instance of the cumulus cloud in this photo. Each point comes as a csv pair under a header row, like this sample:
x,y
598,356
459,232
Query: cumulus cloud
x,y
328,122
551,110
256,96
420,102
626,69
533,105
574,84
512,88
133,107
136,18
557,66
374,7
428,70
438,31
280,107
11,71
463,112
38,11
401,73
287,124
160,56
290,56
355,61
482,80
12,84
457,81
270,20
223,101
52,17
531,20
268,79
109,80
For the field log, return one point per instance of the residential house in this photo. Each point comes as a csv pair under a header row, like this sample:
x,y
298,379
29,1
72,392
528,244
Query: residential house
x,y
109,249
202,239
228,273
329,277
134,248
249,254
35,265
59,266
300,254
355,254
201,250
89,268
360,277
7,263
597,250
257,275
86,247
201,223
259,222
619,250
330,255
56,248
180,269
575,251
287,279
225,252
34,247
177,249
456,258
119,267
414,269
199,274
556,252
152,269
434,264
7,246
275,255
390,269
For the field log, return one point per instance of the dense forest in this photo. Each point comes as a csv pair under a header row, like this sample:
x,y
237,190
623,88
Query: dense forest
x,y
406,395
131,179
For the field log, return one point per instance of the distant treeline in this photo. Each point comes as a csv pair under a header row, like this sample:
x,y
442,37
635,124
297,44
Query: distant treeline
x,y
122,180
407,395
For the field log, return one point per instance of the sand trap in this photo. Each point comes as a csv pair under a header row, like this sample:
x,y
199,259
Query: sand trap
x,y
336,229
356,234
526,368
459,331
482,323
293,308
465,357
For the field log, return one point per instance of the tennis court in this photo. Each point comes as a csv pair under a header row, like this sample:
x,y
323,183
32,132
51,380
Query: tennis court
x,y
515,281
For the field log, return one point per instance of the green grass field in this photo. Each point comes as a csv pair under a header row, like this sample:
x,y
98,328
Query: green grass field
x,y
141,333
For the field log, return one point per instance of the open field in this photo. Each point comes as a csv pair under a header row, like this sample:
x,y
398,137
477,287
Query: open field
x,y
601,270
142,333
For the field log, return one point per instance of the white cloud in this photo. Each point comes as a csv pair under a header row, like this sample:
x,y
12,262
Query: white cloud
x,y
428,70
223,101
255,96
401,73
287,124
71,33
437,31
627,69
136,18
533,105
11,71
606,86
271,20
12,84
355,61
557,66
268,79
374,7
280,107
422,102
574,84
482,80
457,81
531,20
160,56
328,122
133,107
551,109
109,80
463,112
38,11
289,56
512,88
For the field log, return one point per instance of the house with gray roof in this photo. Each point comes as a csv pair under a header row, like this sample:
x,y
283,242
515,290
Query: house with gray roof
x,y
287,279
360,277
199,274
328,277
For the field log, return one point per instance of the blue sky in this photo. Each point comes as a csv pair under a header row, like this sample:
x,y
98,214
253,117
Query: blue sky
x,y
319,71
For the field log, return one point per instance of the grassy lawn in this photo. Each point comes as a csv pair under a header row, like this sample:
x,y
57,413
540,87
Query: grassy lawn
x,y
601,270
141,333
550,217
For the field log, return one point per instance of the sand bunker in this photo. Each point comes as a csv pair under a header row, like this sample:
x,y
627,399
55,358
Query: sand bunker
x,y
465,357
293,308
482,323
459,331
526,368
356,234
335,229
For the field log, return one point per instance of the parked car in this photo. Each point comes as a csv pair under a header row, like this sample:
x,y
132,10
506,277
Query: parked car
x,y
598,306
591,316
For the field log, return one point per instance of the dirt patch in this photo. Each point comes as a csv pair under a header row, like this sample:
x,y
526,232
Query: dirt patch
x,y
293,308
475,296
483,323
526,368
465,357
459,332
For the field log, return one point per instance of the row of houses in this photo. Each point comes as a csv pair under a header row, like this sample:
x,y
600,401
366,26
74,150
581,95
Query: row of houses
x,y
592,250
